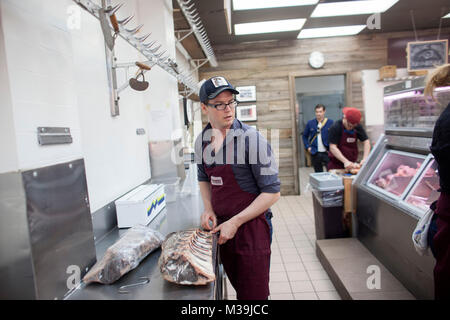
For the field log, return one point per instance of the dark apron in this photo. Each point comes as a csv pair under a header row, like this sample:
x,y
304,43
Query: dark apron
x,y
246,257
441,244
348,145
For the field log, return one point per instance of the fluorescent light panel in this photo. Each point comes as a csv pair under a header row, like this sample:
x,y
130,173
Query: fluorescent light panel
x,y
330,32
348,8
262,4
269,26
447,16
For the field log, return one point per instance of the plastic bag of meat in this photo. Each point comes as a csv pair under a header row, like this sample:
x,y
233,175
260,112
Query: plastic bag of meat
x,y
187,257
125,254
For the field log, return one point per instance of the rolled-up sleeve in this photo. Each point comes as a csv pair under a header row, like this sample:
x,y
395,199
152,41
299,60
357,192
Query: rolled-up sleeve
x,y
201,174
198,150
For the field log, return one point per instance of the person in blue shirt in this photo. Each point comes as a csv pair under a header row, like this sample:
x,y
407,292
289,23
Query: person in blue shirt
x,y
315,138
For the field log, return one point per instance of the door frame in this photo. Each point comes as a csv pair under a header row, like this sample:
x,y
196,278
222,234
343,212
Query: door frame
x,y
293,99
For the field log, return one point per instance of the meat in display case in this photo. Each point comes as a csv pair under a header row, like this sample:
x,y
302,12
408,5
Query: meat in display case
x,y
410,109
395,172
425,191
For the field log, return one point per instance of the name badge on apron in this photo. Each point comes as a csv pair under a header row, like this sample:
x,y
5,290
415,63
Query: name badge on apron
x,y
216,181
351,140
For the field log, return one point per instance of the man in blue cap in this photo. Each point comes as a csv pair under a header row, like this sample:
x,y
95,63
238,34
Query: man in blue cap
x,y
238,186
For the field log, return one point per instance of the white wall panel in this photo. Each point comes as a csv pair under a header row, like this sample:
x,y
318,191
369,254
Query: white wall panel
x,y
56,76
40,68
116,158
161,99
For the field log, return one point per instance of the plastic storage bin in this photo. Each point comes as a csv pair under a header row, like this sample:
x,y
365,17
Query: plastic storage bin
x,y
171,187
330,197
140,206
325,181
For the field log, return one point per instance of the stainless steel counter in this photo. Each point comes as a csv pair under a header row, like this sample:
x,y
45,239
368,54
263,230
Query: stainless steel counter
x,y
182,214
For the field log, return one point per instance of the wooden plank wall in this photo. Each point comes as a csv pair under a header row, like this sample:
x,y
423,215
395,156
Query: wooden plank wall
x,y
272,67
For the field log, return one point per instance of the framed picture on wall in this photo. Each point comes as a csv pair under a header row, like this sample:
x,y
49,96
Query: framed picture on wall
x,y
246,113
423,55
246,94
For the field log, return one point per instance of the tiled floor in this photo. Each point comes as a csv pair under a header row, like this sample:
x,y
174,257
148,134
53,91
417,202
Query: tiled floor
x,y
295,271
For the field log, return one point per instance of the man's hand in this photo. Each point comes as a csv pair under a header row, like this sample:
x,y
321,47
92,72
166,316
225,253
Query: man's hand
x,y
348,165
309,149
227,230
206,217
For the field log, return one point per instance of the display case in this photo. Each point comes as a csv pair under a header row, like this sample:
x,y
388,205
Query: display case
x,y
398,183
425,190
395,172
406,107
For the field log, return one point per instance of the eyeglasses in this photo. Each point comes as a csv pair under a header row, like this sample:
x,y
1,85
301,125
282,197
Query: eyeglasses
x,y
223,106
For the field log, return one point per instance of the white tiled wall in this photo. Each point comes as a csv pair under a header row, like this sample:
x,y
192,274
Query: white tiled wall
x,y
57,77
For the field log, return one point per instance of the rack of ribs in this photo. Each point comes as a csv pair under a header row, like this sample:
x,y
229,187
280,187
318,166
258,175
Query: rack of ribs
x,y
187,257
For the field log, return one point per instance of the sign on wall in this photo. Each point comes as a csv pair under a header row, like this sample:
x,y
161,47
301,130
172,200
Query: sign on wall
x,y
423,55
246,94
246,113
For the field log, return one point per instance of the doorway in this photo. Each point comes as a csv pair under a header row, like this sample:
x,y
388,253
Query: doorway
x,y
310,91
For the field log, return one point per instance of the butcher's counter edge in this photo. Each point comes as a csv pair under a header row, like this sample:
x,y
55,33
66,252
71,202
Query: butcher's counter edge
x,y
182,214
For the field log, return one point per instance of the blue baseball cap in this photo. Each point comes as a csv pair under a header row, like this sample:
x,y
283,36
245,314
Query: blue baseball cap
x,y
213,87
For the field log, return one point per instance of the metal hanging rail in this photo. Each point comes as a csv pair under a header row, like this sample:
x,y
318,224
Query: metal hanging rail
x,y
146,49
193,18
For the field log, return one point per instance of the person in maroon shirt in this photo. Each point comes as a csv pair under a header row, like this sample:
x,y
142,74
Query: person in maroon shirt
x,y
343,136
440,226
237,195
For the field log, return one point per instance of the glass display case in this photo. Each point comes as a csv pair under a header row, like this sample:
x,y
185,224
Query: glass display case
x,y
398,182
425,190
411,110
395,172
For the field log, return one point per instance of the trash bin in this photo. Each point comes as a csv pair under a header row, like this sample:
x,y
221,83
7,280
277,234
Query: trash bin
x,y
328,196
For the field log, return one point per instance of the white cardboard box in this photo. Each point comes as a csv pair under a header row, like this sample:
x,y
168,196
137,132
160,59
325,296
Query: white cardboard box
x,y
140,206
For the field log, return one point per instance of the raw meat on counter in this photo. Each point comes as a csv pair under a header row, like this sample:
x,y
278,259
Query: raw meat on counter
x,y
186,257
125,254
354,170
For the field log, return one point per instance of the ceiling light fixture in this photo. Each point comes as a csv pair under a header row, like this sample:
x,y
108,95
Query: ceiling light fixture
x,y
330,32
348,8
263,4
447,16
268,26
